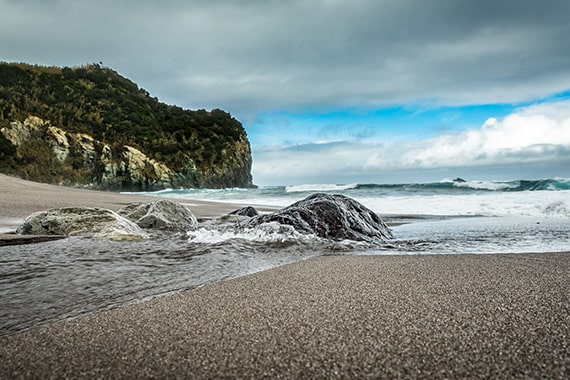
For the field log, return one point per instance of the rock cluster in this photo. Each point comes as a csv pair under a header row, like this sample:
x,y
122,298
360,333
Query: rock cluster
x,y
334,217
129,223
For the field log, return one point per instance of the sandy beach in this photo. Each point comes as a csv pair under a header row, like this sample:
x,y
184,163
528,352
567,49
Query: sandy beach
x,y
19,198
409,316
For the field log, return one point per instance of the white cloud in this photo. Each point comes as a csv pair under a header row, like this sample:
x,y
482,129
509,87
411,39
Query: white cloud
x,y
537,136
533,134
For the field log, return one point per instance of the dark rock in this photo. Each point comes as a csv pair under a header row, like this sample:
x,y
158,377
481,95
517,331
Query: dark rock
x,y
330,216
81,221
161,214
245,211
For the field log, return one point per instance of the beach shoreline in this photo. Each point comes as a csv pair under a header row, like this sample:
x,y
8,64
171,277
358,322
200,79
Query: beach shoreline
x,y
333,316
19,198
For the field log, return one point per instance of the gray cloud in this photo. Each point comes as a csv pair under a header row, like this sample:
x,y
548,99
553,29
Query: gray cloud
x,y
250,56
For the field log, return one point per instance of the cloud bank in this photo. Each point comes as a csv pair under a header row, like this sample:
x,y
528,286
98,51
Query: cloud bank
x,y
531,136
252,56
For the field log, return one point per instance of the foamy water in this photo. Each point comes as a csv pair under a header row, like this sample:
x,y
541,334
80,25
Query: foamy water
x,y
549,204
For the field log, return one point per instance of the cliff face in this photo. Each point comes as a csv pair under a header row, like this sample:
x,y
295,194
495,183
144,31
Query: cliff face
x,y
109,134
78,158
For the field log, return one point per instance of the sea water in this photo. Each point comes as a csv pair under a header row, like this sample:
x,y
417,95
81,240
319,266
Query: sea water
x,y
549,197
53,280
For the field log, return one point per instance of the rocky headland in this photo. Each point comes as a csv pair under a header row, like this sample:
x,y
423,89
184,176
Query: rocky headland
x,y
89,126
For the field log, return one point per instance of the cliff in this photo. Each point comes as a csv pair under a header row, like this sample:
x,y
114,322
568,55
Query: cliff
x,y
90,126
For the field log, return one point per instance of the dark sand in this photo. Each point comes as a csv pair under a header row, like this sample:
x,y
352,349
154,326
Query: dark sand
x,y
447,316
442,316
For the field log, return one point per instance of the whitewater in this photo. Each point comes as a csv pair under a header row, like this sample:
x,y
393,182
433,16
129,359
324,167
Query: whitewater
x,y
548,197
447,217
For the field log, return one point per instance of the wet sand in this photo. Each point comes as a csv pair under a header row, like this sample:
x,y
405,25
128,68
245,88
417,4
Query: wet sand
x,y
428,316
442,316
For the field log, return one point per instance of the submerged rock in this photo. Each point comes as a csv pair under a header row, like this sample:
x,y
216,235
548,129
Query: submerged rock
x,y
81,221
331,216
161,214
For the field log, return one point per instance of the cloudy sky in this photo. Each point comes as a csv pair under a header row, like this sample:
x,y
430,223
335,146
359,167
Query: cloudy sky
x,y
335,91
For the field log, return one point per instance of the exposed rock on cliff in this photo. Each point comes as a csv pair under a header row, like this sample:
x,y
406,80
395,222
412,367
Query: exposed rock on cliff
x,y
110,168
90,126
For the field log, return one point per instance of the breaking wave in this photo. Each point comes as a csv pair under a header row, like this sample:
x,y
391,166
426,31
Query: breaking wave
x,y
319,187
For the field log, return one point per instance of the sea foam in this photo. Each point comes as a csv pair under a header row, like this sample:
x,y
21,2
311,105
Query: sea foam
x,y
553,204
265,233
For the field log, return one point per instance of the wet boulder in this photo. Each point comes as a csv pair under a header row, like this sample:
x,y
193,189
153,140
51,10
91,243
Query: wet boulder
x,y
163,214
330,216
81,221
248,211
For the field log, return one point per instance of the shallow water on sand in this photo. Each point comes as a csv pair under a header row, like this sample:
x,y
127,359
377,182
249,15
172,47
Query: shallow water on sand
x,y
481,235
54,280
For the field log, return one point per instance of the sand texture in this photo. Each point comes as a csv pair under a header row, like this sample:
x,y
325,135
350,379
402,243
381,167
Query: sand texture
x,y
442,316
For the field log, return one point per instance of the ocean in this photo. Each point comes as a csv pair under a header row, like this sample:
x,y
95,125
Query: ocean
x,y
54,280
548,197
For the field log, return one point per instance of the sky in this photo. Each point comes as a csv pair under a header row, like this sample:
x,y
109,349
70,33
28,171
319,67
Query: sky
x,y
335,91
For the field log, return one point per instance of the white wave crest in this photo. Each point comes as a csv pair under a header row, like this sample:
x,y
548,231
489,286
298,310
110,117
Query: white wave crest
x,y
537,203
319,187
485,185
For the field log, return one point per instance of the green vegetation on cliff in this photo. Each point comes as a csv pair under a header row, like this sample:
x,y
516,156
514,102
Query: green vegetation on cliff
x,y
201,148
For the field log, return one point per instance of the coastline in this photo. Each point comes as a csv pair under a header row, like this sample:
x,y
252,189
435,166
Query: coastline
x,y
411,316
